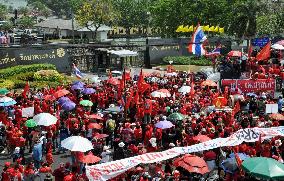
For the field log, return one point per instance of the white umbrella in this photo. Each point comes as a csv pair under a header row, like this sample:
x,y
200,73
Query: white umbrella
x,y
45,119
77,143
7,101
160,94
184,89
215,77
277,47
171,74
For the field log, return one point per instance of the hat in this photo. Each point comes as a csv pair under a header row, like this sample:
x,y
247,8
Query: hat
x,y
17,150
172,145
7,164
121,144
105,148
164,117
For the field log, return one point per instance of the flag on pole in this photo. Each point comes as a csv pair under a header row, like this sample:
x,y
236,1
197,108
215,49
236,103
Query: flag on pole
x,y
264,54
141,84
196,44
77,72
250,49
216,51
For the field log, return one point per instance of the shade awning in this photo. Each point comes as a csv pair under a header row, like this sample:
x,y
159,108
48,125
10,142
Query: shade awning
x,y
123,53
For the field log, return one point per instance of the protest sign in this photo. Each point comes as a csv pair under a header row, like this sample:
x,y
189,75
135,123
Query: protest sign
x,y
271,108
112,169
28,112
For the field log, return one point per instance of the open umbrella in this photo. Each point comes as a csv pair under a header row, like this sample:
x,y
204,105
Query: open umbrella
x,y
86,103
77,87
277,116
113,81
184,89
4,91
209,83
164,124
251,94
100,136
89,91
265,168
89,158
281,42
45,119
30,123
49,98
61,93
94,126
201,138
242,156
68,106
230,164
160,94
81,84
7,101
277,47
175,117
192,163
115,109
235,54
95,116
77,143
62,100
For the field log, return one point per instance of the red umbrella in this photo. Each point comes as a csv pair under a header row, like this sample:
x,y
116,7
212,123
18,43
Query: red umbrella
x,y
100,136
61,93
89,158
49,98
235,54
209,83
201,138
94,126
113,81
277,116
192,164
95,116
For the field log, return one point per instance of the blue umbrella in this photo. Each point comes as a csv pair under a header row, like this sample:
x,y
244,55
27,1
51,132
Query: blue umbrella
x,y
251,94
77,87
164,124
241,155
89,91
68,106
81,84
115,109
62,100
7,101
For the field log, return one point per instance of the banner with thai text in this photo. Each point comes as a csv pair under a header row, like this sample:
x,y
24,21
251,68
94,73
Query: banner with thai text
x,y
249,85
105,171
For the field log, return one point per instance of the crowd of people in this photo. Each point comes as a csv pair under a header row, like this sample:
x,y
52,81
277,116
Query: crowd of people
x,y
130,130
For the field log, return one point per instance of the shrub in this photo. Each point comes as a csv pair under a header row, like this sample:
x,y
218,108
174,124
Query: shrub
x,y
16,70
186,60
42,84
48,75
8,84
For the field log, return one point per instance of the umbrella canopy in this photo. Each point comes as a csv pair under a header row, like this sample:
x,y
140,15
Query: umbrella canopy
x,y
95,116
115,109
277,47
100,136
79,83
4,91
160,94
89,158
201,138
62,100
45,119
276,116
49,98
77,143
230,164
30,123
68,106
95,80
281,42
113,81
251,94
7,101
209,83
184,89
192,164
235,54
77,87
89,91
164,124
61,93
86,103
175,117
262,167
242,156
94,126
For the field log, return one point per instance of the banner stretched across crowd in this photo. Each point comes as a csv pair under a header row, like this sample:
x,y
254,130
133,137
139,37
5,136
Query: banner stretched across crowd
x,y
105,171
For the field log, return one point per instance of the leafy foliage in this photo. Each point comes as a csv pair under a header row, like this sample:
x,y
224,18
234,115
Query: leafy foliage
x,y
5,83
26,22
3,11
47,75
185,60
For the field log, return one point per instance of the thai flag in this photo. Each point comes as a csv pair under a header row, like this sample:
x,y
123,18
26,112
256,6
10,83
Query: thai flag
x,y
196,43
77,72
216,51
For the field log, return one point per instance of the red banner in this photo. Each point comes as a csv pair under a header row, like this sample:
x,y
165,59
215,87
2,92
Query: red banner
x,y
249,85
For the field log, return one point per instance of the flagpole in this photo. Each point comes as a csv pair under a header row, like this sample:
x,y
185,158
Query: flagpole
x,y
124,89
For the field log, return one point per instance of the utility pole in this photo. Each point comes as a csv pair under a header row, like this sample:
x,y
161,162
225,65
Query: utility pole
x,y
73,33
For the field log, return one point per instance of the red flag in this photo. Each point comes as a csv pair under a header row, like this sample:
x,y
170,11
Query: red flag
x,y
250,49
239,162
129,99
126,76
141,84
136,98
26,90
264,54
192,91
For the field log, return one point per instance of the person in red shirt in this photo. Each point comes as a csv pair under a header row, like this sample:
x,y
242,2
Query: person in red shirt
x,y
7,172
59,173
138,134
71,176
147,110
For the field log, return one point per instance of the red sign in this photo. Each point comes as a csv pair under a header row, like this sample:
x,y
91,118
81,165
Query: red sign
x,y
249,85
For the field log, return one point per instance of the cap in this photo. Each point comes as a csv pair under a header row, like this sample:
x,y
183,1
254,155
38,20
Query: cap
x,y
121,144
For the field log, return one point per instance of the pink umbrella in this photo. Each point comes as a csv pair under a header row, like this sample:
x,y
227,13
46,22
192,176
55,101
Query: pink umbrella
x,y
281,42
100,136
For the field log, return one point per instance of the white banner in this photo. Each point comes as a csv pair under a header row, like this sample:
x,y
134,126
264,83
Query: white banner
x,y
105,171
28,112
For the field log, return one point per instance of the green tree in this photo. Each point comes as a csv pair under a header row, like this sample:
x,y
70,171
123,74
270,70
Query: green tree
x,y
3,11
26,22
92,14
23,10
7,26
